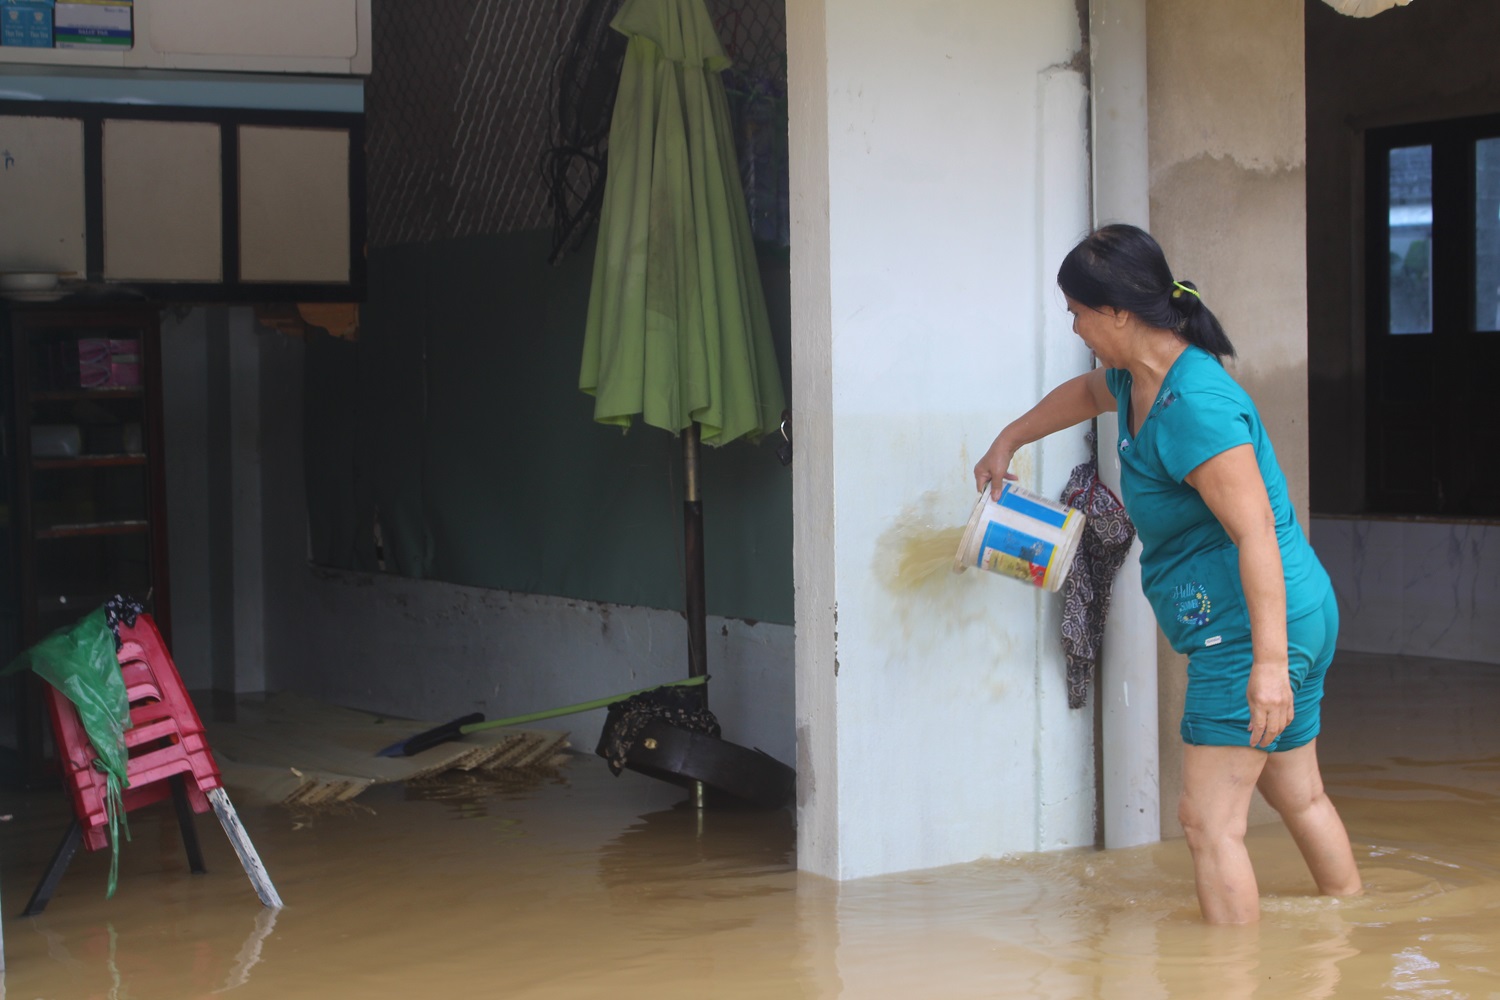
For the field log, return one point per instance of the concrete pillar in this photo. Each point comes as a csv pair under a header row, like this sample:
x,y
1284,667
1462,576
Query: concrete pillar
x,y
816,610
211,402
185,395
1127,676
939,170
246,530
220,466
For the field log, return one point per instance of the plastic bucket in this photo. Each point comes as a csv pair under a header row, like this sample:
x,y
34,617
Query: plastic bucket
x,y
1021,535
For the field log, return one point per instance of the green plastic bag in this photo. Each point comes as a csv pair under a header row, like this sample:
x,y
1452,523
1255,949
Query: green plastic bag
x,y
80,661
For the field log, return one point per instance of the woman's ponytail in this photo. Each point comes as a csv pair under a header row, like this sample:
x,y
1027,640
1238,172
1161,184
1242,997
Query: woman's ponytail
x,y
1199,326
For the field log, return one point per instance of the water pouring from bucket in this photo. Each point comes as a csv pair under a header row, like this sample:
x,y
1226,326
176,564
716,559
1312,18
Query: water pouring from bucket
x,y
1021,535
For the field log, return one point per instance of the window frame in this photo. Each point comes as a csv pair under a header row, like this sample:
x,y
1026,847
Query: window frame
x,y
1453,259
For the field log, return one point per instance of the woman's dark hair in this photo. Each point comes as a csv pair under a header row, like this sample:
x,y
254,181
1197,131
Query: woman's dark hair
x,y
1122,267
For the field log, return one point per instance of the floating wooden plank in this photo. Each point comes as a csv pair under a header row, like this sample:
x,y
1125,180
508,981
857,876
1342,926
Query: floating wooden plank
x,y
298,752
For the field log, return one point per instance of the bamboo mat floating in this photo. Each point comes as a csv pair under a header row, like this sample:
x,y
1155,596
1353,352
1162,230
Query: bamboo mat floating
x,y
299,752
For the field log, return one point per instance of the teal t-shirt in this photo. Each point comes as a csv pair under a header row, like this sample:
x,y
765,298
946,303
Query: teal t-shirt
x,y
1189,567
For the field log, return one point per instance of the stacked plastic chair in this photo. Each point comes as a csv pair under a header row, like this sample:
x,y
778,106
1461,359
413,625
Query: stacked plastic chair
x,y
168,757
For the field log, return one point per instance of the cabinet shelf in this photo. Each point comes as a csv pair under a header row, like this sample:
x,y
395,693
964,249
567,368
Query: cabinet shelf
x,y
96,528
73,395
90,461
70,602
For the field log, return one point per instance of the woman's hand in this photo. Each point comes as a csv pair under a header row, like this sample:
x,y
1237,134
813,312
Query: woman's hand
x,y
994,467
1271,703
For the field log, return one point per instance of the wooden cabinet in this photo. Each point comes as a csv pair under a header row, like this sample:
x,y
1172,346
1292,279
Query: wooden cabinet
x,y
83,484
89,496
258,206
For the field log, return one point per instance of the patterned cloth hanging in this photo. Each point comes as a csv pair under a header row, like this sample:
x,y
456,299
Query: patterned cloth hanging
x,y
121,609
1107,535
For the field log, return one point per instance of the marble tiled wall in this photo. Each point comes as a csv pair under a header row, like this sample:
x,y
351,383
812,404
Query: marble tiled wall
x,y
1420,588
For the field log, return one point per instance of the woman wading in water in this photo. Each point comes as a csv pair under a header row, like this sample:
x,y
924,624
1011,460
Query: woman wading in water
x,y
1229,574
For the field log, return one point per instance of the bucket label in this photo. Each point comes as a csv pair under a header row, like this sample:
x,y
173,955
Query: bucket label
x,y
1034,507
1010,552
1022,536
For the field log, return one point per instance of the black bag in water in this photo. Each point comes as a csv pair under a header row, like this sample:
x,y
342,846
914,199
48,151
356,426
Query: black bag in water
x,y
677,706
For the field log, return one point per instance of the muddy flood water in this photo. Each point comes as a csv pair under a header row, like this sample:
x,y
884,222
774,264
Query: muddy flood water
x,y
582,885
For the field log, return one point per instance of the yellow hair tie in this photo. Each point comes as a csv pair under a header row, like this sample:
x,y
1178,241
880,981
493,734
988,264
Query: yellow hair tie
x,y
1177,293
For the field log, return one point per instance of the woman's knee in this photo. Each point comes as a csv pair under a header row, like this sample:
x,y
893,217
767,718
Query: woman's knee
x,y
1292,784
1287,799
1207,825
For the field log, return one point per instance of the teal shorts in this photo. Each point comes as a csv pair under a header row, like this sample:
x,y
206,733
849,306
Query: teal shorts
x,y
1215,712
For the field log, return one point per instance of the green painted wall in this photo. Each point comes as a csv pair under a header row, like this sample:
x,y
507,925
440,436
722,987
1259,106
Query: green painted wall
x,y
457,415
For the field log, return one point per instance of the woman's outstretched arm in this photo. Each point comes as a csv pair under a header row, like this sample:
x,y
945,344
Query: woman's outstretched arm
x,y
1076,400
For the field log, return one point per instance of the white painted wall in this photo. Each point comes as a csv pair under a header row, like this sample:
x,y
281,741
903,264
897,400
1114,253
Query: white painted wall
x,y
940,169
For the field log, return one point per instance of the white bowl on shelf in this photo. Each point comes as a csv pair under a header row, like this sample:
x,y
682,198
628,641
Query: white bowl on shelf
x,y
28,281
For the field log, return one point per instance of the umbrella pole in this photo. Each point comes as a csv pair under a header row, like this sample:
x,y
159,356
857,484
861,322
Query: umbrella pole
x,y
692,552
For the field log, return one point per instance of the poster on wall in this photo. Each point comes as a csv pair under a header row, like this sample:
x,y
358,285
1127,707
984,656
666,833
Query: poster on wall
x,y
42,189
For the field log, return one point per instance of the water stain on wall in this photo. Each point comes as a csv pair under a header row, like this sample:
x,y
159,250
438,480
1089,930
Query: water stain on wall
x,y
929,603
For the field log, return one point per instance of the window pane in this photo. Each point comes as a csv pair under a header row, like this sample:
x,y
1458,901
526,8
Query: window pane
x,y
1411,239
1487,234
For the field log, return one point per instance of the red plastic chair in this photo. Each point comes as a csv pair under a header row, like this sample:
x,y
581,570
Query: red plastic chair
x,y
167,756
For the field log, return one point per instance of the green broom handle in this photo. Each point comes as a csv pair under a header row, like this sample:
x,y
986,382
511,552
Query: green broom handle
x,y
553,713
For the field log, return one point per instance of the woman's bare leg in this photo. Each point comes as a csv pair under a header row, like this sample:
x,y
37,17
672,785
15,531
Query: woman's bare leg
x,y
1293,786
1217,783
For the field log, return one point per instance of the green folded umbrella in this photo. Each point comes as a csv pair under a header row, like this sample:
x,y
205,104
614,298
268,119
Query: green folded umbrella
x,y
677,326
